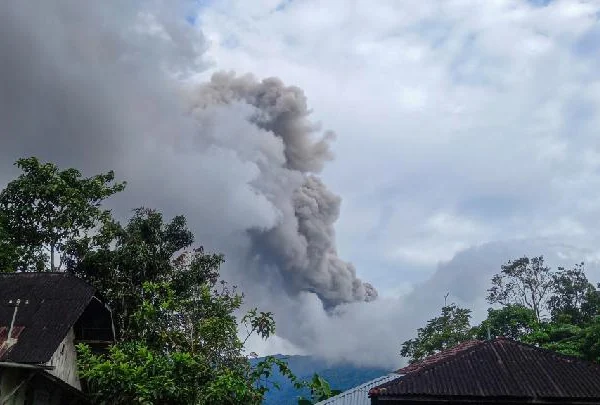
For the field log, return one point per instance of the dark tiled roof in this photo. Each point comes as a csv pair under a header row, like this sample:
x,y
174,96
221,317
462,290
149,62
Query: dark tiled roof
x,y
500,368
50,305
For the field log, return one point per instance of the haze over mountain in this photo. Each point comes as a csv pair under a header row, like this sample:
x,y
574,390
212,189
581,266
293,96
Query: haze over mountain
x,y
340,376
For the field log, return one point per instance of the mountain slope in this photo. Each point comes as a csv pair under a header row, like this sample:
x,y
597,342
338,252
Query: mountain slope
x,y
340,376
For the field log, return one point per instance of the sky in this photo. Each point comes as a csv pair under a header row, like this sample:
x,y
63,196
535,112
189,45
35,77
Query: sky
x,y
461,125
464,134
459,122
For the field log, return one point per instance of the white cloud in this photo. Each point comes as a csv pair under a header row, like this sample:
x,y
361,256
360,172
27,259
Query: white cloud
x,y
372,333
467,136
457,107
460,122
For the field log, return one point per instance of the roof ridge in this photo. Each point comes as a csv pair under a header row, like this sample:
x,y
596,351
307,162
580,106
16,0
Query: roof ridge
x,y
454,356
475,344
557,355
438,357
63,274
514,356
478,344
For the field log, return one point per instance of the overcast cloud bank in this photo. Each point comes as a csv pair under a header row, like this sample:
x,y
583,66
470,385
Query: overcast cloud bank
x,y
468,135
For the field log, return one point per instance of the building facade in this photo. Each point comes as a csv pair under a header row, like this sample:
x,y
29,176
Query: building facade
x,y
43,316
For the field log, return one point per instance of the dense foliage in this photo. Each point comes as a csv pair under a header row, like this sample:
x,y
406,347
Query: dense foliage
x,y
177,331
320,391
557,310
45,210
440,333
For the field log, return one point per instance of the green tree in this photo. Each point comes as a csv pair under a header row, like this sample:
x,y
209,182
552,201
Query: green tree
x,y
171,306
182,357
133,374
182,333
590,341
177,329
46,209
563,338
512,321
574,298
525,288
9,253
320,391
449,329
146,250
524,281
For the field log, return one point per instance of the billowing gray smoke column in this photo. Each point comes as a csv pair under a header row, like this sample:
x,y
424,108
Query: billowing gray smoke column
x,y
302,244
104,85
316,211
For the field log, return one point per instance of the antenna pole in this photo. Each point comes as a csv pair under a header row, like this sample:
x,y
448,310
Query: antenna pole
x,y
12,323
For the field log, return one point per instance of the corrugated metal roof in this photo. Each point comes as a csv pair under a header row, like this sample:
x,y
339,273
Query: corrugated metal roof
x,y
499,368
50,304
358,395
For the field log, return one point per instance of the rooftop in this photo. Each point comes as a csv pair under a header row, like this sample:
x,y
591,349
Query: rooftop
x,y
438,357
44,307
501,368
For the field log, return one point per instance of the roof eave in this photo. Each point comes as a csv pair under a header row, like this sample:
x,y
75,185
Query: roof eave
x,y
12,364
450,399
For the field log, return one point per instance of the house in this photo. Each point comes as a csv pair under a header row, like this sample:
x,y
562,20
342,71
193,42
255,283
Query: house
x,y
42,317
360,395
498,371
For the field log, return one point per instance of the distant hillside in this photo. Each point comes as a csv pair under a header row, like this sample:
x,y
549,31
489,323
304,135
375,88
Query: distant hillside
x,y
340,376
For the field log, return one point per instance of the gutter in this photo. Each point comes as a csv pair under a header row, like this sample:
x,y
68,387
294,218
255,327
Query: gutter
x,y
10,364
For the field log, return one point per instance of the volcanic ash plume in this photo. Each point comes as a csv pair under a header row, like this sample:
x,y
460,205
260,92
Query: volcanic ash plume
x,y
301,245
102,85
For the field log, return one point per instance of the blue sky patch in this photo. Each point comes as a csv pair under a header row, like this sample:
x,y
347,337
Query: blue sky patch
x,y
282,5
230,42
588,43
539,3
191,19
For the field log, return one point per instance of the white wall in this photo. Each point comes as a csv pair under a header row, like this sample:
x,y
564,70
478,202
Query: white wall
x,y
64,361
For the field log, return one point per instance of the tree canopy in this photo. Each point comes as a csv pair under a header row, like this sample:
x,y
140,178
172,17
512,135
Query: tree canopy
x,y
512,321
523,281
555,309
440,333
45,210
574,296
176,320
